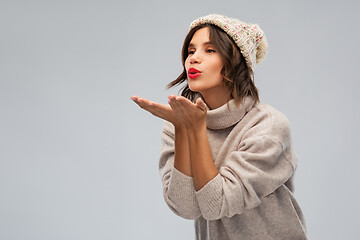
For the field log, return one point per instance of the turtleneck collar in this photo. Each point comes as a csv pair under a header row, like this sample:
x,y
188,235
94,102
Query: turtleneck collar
x,y
224,116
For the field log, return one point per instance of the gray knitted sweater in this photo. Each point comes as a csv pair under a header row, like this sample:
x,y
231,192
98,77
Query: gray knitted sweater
x,y
252,196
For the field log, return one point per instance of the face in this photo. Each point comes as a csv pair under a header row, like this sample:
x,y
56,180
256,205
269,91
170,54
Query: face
x,y
204,58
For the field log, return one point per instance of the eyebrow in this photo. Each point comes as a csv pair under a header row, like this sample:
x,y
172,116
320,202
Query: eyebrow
x,y
205,43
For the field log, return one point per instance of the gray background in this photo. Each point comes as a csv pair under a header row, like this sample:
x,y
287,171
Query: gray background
x,y
78,159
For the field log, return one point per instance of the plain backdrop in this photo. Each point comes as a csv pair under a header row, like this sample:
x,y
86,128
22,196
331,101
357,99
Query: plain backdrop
x,y
79,160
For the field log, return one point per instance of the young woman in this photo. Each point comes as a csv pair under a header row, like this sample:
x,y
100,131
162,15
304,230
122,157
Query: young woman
x,y
227,160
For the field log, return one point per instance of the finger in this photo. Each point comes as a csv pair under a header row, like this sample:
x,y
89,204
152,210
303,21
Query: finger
x,y
184,107
135,98
183,100
172,96
171,99
200,104
154,108
178,108
142,102
173,102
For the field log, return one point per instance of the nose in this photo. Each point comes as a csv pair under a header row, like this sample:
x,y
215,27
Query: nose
x,y
194,58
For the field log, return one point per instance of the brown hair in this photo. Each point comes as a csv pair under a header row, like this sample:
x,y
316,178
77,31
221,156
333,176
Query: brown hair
x,y
237,76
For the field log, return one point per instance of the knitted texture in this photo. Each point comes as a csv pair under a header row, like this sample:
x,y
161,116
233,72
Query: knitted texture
x,y
248,37
252,195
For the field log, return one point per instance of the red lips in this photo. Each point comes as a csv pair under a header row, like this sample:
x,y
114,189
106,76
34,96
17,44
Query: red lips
x,y
193,70
193,73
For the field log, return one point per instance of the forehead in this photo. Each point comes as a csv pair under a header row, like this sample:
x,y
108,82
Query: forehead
x,y
200,37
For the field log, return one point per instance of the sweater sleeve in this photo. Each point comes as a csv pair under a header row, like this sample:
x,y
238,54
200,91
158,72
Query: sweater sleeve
x,y
260,165
178,188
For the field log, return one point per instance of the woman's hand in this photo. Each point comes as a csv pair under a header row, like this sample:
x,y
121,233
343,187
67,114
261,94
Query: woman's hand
x,y
193,116
157,109
181,112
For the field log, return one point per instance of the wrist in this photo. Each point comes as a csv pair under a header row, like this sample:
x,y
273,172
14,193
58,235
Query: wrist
x,y
179,127
197,129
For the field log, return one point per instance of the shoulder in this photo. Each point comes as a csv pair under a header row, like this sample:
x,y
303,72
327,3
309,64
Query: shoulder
x,y
266,120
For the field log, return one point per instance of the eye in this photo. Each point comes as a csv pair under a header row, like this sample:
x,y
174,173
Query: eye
x,y
210,50
191,52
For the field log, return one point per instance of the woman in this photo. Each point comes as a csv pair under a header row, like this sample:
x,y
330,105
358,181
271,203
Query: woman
x,y
227,160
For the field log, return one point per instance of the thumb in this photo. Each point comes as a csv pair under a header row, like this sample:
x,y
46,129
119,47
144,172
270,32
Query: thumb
x,y
200,104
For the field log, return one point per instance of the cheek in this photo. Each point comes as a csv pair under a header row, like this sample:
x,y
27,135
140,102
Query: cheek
x,y
216,67
187,64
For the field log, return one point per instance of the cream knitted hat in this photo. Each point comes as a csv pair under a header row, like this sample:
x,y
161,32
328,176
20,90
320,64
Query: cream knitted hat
x,y
249,37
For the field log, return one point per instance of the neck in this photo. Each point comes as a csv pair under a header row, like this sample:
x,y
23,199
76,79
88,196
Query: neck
x,y
215,100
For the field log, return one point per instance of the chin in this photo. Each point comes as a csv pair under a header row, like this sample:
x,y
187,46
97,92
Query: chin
x,y
195,89
195,86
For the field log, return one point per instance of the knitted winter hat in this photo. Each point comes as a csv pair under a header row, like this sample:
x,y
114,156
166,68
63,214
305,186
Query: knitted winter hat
x,y
249,37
